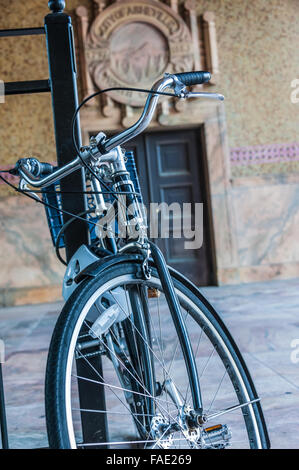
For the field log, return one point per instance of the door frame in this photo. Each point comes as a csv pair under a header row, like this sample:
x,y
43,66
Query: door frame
x,y
204,184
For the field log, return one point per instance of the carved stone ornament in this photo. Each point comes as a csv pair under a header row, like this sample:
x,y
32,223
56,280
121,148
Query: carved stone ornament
x,y
132,43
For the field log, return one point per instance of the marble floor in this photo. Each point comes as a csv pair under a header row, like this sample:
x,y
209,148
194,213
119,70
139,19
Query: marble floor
x,y
263,318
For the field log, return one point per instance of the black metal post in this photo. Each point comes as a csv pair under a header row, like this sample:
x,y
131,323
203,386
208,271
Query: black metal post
x,y
92,397
62,67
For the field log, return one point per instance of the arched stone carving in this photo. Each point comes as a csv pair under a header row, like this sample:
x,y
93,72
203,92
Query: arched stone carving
x,y
134,42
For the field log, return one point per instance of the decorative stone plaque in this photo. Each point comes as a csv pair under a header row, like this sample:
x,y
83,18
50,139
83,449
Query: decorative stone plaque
x,y
132,43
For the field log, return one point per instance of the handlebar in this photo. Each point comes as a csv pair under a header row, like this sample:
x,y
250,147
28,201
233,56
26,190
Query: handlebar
x,y
143,121
176,81
193,78
36,182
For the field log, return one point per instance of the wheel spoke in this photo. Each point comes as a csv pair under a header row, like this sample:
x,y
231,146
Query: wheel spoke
x,y
111,387
217,391
116,387
144,339
120,443
147,394
230,409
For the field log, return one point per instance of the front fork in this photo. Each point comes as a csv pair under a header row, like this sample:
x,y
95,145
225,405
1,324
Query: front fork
x,y
179,322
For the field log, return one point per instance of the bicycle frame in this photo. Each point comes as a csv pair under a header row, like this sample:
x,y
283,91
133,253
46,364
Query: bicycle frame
x,y
105,161
122,182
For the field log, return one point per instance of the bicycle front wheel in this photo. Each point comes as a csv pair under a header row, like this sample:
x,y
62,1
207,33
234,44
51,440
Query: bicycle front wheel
x,y
117,376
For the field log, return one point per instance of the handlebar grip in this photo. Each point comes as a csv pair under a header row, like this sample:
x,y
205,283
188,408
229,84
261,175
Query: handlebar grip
x,y
38,168
193,78
34,166
45,169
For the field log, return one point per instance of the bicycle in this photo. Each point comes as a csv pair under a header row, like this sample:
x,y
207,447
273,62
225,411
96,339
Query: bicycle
x,y
138,356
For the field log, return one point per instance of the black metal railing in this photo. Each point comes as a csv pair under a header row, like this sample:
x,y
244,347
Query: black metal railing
x,y
62,84
63,87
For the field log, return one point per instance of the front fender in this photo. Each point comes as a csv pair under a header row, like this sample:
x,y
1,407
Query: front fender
x,y
85,264
94,269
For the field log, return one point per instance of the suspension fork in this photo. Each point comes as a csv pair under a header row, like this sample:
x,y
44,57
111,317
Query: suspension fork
x,y
180,326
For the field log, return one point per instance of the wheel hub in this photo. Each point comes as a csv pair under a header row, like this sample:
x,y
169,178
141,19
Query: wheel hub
x,y
161,431
213,437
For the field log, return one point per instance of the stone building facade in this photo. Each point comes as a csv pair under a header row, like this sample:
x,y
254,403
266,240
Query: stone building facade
x,y
251,149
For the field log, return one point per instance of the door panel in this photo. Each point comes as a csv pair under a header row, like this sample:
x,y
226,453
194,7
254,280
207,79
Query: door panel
x,y
170,168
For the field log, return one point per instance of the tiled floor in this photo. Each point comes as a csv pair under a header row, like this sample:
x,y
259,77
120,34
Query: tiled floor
x,y
263,318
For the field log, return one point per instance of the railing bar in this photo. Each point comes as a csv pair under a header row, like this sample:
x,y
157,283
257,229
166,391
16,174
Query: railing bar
x,y
21,32
35,86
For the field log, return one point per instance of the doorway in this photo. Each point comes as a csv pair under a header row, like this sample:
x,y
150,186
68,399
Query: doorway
x,y
171,169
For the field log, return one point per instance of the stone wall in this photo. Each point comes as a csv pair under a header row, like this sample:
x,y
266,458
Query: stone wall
x,y
258,62
258,42
258,54
29,271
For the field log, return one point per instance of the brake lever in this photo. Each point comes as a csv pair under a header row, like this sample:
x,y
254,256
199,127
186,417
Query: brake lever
x,y
203,94
178,87
23,186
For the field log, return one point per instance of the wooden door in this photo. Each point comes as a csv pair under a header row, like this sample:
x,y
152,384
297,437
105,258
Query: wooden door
x,y
170,167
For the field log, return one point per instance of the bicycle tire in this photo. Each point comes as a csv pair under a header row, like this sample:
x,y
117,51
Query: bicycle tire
x,y
201,312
